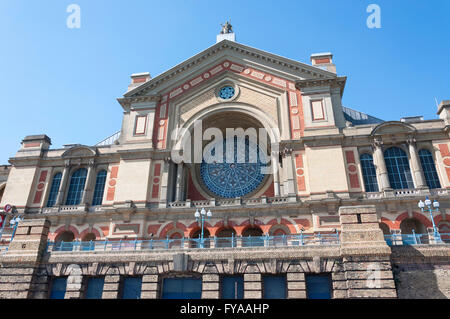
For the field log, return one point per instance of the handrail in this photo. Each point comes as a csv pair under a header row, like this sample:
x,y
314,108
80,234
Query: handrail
x,y
296,240
417,239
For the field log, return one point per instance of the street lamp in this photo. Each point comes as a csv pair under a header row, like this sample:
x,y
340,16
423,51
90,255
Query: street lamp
x,y
200,217
14,222
428,204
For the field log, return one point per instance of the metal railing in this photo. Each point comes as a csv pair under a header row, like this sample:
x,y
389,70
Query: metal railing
x,y
417,239
196,243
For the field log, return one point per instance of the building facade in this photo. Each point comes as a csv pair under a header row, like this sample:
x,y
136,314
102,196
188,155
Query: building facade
x,y
327,208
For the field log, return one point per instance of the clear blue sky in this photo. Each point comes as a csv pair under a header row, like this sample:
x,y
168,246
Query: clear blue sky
x,y
64,82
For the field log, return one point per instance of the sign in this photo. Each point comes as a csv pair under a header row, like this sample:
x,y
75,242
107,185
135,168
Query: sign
x,y
7,208
2,220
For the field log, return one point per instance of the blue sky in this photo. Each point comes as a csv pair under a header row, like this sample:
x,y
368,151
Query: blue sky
x,y
64,82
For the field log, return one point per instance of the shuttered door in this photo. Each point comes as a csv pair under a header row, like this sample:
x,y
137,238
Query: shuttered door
x,y
94,288
318,286
182,288
131,288
274,287
58,288
232,287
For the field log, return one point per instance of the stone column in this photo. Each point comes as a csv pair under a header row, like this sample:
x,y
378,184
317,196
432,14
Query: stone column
x,y
365,254
87,192
164,184
380,165
75,287
275,167
210,286
296,283
149,287
112,285
289,173
62,186
252,283
416,167
179,185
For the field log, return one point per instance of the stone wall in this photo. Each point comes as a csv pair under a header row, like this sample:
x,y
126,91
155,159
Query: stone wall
x,y
362,266
422,271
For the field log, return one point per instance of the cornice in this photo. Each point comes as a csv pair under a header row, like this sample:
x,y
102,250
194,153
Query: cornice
x,y
127,101
333,82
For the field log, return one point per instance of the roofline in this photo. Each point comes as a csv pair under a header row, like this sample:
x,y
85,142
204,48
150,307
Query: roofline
x,y
223,45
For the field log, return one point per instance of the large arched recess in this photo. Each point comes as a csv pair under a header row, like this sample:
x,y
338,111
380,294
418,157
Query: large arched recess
x,y
222,116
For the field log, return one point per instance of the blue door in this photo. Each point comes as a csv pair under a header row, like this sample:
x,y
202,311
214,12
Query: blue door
x,y
58,288
131,288
182,288
274,287
94,288
318,286
233,287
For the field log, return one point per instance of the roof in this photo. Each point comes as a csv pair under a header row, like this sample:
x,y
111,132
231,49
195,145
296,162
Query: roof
x,y
297,67
359,118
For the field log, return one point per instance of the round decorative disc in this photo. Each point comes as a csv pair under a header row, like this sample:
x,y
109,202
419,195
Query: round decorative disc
x,y
235,175
226,92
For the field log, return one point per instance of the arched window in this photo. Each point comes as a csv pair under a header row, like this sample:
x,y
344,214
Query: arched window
x,y
226,238
429,170
54,190
398,168
197,235
252,237
369,173
76,187
99,188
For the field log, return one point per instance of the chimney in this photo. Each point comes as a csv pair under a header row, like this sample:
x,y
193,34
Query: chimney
x,y
36,142
138,79
323,61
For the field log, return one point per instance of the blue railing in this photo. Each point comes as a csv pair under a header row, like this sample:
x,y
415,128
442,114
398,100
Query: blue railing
x,y
416,239
196,243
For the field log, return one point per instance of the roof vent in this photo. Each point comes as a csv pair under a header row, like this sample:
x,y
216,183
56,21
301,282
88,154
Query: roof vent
x,y
411,119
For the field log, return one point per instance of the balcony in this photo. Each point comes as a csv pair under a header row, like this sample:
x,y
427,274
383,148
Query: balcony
x,y
413,192
417,239
196,243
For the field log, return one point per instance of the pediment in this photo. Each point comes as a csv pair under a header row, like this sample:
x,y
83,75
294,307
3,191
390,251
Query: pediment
x,y
79,151
392,128
248,57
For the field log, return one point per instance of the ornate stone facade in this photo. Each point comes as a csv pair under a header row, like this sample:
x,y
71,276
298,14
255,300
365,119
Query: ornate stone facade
x,y
333,172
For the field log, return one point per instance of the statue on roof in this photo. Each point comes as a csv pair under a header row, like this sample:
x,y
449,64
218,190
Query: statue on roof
x,y
226,28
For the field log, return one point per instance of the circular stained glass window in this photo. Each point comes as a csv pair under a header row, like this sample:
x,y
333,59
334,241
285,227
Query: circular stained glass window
x,y
235,174
227,92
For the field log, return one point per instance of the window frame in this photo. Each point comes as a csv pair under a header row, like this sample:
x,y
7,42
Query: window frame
x,y
362,171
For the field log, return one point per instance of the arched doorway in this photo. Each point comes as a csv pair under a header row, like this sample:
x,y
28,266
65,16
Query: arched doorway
x,y
176,240
88,242
226,238
279,233
410,228
64,241
195,242
252,237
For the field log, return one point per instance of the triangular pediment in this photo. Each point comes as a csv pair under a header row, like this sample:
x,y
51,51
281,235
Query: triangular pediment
x,y
248,57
